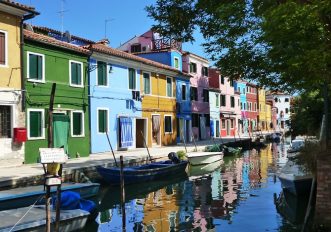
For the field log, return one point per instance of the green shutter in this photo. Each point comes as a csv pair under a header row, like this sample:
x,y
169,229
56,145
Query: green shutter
x,y
77,123
169,94
33,67
102,117
147,87
39,67
76,75
35,124
102,73
79,74
132,78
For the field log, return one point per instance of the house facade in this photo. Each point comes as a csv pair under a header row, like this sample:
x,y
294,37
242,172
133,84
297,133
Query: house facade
x,y
281,110
12,91
252,107
215,120
268,115
262,108
47,61
240,87
197,67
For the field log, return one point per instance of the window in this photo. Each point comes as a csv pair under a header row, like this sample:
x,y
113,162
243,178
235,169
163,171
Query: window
x,y
77,124
222,80
239,103
5,121
195,120
132,78
232,123
217,96
183,92
194,93
241,106
136,48
286,110
286,100
244,106
255,106
76,73
36,124
176,62
147,83
232,101
231,83
223,123
102,73
102,120
247,89
205,95
36,67
193,67
204,71
207,116
239,89
167,124
223,101
169,86
3,48
244,90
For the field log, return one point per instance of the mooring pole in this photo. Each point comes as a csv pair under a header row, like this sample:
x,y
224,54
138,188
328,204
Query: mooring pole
x,y
149,155
184,140
122,194
111,148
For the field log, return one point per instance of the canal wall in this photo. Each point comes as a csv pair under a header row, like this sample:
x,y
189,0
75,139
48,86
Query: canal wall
x,y
323,194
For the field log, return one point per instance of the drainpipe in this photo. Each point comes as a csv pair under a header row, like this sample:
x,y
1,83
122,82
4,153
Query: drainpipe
x,y
25,17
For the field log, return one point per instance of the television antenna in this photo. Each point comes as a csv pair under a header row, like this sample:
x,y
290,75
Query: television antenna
x,y
106,21
61,12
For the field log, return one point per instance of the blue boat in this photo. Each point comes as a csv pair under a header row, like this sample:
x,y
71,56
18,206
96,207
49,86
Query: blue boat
x,y
142,173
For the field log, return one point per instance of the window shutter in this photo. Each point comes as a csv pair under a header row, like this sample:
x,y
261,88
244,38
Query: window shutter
x,y
73,73
39,68
33,71
2,48
102,73
79,74
77,123
35,124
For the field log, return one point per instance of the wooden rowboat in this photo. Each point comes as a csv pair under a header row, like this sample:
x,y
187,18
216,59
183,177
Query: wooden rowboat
x,y
201,158
141,173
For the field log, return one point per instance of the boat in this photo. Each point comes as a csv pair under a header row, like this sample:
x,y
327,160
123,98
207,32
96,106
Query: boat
x,y
231,150
201,158
227,150
295,179
202,170
142,173
25,196
35,219
296,145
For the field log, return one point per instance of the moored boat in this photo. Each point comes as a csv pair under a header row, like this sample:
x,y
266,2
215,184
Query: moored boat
x,y
295,179
200,158
25,196
141,173
202,170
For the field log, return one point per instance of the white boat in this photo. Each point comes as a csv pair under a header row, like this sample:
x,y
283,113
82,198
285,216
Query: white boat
x,y
199,171
295,178
296,145
200,158
35,219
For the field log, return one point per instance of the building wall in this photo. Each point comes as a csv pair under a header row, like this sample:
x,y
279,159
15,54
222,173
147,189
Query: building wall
x,y
262,122
252,97
240,87
66,98
117,98
184,111
214,112
157,103
10,85
268,116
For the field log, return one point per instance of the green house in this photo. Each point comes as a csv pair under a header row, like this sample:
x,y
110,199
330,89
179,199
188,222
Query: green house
x,y
47,61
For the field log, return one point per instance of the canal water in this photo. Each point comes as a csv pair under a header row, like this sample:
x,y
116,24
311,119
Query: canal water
x,y
238,194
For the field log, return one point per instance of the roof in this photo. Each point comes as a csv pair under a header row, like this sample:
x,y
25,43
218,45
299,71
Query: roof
x,y
190,53
29,35
157,51
49,30
118,53
19,6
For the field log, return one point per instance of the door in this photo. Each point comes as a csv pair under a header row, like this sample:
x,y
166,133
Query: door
x,y
212,134
228,127
61,131
217,127
156,134
203,127
188,130
140,133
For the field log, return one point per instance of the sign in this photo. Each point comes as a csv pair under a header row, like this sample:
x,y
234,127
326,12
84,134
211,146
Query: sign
x,y
53,181
52,155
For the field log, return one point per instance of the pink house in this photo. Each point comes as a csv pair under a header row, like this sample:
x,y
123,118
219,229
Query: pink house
x,y
198,66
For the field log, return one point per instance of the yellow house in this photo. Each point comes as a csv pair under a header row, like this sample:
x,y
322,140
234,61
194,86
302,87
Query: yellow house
x,y
12,16
262,121
159,106
269,114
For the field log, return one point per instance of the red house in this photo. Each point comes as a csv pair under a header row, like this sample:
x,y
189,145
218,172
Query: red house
x,y
252,110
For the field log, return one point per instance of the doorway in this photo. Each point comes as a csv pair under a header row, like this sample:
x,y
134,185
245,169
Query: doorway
x,y
156,130
228,127
61,123
141,132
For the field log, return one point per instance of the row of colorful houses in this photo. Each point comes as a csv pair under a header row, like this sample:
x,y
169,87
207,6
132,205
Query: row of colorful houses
x,y
148,92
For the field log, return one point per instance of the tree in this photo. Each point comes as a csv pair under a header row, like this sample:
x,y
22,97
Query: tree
x,y
284,44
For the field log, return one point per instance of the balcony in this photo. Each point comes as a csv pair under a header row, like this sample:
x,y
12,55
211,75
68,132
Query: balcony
x,y
166,43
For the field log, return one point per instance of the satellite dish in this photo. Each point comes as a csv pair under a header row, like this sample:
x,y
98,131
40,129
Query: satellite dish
x,y
67,36
29,27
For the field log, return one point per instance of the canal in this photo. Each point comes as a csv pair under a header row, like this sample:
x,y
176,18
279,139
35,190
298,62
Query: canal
x,y
238,194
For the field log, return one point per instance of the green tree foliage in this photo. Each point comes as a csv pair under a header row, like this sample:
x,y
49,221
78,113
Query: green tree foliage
x,y
283,44
307,111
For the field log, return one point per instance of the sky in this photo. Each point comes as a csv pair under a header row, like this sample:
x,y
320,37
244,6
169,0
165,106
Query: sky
x,y
86,18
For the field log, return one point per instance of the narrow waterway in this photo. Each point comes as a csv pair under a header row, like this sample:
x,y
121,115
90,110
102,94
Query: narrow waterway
x,y
239,194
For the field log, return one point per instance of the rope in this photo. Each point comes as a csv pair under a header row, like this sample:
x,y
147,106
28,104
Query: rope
x,y
25,213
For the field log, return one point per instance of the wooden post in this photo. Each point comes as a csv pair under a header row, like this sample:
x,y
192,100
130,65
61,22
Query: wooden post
x,y
111,147
122,194
184,140
50,145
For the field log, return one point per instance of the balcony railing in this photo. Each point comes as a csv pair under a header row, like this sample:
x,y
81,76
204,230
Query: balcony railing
x,y
166,43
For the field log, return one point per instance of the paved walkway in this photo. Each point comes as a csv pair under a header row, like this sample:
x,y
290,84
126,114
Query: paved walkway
x,y
11,172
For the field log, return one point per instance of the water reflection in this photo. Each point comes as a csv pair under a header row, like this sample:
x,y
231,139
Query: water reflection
x,y
232,196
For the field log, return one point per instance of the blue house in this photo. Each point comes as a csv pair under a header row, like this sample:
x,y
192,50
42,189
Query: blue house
x,y
115,106
240,86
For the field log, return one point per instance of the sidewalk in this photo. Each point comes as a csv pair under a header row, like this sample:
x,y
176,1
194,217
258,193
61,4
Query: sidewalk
x,y
14,173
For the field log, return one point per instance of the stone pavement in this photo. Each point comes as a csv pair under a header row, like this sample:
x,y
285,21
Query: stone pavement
x,y
14,173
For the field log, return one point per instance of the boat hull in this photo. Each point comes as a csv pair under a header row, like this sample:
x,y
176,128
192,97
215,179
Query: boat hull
x,y
201,158
147,172
296,185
